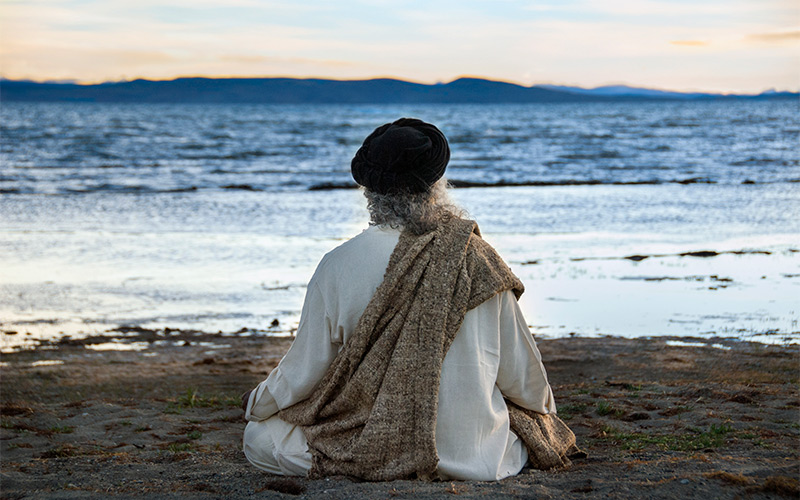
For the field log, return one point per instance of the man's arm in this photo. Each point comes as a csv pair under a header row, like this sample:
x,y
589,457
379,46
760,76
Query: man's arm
x,y
302,367
521,376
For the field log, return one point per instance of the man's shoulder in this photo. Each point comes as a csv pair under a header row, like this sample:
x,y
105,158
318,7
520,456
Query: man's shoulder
x,y
371,245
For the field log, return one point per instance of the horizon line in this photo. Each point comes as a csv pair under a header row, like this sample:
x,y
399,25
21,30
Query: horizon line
x,y
70,81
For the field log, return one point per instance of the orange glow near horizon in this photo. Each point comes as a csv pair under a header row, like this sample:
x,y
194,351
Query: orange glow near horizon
x,y
741,46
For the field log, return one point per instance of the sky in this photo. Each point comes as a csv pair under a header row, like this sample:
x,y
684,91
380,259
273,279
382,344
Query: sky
x,y
742,46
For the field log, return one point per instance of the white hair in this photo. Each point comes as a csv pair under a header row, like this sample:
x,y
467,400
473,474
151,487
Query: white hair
x,y
417,212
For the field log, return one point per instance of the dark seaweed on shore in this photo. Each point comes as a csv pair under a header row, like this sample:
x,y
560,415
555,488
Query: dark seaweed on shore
x,y
328,186
699,254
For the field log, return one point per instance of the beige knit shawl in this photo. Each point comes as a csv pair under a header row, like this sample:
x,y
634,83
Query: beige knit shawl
x,y
373,415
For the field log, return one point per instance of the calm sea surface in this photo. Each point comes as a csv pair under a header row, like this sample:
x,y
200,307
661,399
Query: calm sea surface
x,y
205,217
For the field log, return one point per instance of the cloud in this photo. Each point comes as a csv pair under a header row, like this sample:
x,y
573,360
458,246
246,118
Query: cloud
x,y
660,12
779,37
258,59
689,43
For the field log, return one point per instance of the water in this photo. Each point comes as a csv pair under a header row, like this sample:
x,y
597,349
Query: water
x,y
202,216
84,147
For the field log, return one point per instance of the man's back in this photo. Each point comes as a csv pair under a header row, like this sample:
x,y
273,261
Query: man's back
x,y
492,356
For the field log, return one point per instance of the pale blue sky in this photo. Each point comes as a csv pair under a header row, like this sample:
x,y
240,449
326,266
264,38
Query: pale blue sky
x,y
713,45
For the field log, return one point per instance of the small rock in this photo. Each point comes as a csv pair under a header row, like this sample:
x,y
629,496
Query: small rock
x,y
637,415
741,398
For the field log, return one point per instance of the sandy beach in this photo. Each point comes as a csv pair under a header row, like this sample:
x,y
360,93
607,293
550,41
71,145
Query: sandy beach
x,y
159,417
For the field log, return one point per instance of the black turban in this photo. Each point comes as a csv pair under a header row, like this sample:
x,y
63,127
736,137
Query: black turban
x,y
406,156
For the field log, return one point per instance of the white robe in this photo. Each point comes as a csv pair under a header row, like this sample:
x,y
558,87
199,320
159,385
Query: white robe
x,y
493,355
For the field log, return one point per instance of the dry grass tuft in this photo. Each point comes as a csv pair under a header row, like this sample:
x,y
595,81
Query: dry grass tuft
x,y
783,485
728,477
13,410
455,489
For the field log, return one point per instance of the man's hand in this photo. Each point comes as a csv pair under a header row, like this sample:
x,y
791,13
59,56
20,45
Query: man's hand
x,y
245,399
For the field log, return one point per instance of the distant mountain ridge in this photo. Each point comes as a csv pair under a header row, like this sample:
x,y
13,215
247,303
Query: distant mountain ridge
x,y
624,90
322,91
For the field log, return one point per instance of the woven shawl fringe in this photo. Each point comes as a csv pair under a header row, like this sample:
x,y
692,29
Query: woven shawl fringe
x,y
549,441
373,414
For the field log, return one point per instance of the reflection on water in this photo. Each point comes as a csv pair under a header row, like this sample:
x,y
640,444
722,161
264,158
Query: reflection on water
x,y
681,343
48,362
118,346
215,261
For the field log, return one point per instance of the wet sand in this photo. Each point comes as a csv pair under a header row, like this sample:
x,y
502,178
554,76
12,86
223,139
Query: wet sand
x,y
163,421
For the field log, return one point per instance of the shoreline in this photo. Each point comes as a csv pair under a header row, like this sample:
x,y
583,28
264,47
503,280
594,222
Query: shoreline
x,y
143,339
163,417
